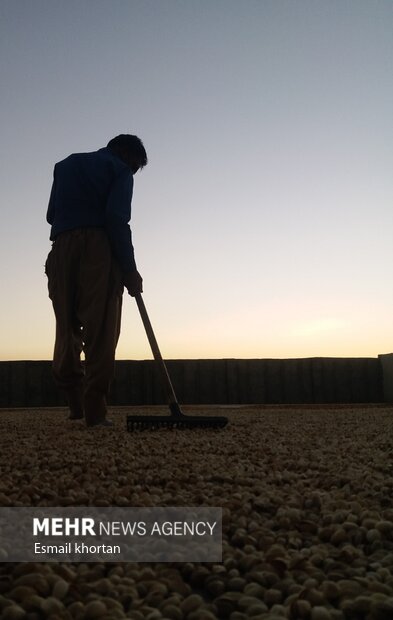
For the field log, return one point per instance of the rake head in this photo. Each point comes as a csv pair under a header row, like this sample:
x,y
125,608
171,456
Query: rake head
x,y
177,419
178,422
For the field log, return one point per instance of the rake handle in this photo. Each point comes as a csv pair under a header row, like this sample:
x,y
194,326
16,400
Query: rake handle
x,y
166,380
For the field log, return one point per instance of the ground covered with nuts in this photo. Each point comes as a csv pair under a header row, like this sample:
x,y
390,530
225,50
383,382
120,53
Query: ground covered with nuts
x,y
307,514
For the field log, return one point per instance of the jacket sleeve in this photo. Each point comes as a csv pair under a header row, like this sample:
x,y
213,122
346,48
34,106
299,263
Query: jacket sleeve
x,y
50,214
117,217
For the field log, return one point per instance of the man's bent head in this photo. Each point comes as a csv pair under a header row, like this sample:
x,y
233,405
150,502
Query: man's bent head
x,y
130,149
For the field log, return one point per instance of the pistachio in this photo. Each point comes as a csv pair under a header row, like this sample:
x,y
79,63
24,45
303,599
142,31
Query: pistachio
x,y
172,612
94,609
51,606
307,529
60,589
191,603
320,613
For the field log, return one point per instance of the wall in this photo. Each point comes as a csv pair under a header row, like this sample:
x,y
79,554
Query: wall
x,y
386,362
224,381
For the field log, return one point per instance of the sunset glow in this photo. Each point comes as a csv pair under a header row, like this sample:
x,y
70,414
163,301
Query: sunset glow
x,y
263,223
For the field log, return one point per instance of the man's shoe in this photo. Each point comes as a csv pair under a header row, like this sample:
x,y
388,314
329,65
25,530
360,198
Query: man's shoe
x,y
106,423
74,398
95,410
76,415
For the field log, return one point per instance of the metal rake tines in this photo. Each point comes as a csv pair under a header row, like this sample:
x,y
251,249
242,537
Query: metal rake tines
x,y
140,423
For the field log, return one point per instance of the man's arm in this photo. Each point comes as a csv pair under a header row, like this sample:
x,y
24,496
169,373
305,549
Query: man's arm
x,y
50,214
118,215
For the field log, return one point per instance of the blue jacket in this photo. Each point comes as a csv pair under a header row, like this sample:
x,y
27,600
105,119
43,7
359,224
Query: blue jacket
x,y
94,190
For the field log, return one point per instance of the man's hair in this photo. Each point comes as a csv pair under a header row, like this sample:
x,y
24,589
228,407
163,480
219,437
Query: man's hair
x,y
126,145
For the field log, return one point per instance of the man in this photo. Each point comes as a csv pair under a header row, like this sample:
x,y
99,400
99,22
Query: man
x,y
91,260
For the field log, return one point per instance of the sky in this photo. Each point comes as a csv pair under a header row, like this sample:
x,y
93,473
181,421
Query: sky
x,y
263,222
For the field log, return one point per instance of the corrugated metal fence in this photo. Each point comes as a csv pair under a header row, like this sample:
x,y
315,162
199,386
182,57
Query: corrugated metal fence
x,y
223,381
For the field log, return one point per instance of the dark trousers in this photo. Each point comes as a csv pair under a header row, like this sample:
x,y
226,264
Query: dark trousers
x,y
85,286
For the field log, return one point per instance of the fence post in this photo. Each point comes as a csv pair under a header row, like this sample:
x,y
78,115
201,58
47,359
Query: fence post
x,y
386,361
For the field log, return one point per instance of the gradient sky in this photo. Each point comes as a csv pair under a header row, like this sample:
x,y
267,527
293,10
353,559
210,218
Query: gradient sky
x,y
263,223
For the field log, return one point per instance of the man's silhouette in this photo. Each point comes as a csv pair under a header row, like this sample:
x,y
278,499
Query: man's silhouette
x,y
91,260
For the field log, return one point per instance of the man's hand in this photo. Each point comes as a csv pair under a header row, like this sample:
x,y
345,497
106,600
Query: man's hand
x,y
133,282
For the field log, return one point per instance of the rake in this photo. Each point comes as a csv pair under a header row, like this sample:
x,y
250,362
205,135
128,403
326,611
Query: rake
x,y
177,419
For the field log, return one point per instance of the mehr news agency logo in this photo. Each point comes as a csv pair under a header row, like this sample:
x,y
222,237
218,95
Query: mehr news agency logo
x,y
64,527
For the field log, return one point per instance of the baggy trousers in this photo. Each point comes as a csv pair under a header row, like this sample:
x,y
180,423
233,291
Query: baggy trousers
x,y
85,287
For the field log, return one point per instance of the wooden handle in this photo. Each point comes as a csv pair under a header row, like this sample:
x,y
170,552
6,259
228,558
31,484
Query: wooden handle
x,y
166,381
